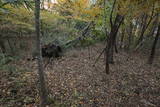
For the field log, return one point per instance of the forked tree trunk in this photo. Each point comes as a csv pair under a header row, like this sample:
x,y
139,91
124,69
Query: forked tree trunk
x,y
111,41
145,25
42,88
153,50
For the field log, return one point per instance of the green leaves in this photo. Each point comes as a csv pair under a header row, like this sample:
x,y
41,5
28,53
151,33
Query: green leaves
x,y
4,10
17,3
4,60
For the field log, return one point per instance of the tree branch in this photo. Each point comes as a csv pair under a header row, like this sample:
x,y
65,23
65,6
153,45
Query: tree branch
x,y
111,15
152,16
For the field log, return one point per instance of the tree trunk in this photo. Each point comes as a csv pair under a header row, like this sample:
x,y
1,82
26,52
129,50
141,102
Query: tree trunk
x,y
154,26
11,47
42,88
114,31
151,58
49,4
144,21
111,41
2,46
130,36
134,31
122,38
42,4
105,18
111,52
145,25
115,46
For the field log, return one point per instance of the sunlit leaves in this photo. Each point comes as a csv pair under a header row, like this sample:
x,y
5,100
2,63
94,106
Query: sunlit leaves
x,y
79,9
137,7
17,3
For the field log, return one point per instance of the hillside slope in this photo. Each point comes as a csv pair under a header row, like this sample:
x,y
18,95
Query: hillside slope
x,y
74,81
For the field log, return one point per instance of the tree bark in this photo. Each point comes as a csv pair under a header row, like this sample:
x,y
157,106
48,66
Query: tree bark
x,y
42,4
130,36
154,26
105,17
122,38
111,41
115,46
144,21
145,25
153,50
42,88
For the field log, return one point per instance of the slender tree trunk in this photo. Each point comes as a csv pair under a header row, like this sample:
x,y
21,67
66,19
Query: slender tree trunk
x,y
48,4
122,38
111,53
115,46
130,36
151,58
105,18
11,47
111,41
114,31
134,32
144,21
154,26
42,4
42,88
145,25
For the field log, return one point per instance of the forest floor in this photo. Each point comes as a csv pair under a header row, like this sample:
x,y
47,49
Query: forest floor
x,y
73,81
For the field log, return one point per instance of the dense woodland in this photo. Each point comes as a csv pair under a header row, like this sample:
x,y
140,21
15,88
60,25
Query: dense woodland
x,y
79,53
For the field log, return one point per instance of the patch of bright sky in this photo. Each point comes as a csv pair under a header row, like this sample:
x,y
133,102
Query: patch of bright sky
x,y
54,1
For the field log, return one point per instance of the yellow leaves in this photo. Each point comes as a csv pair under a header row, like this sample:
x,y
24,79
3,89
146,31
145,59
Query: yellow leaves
x,y
79,9
127,6
81,4
17,19
48,17
157,6
137,7
19,14
123,6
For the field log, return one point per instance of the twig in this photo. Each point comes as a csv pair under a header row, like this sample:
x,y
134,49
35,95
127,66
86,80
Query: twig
x,y
82,33
45,66
99,56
